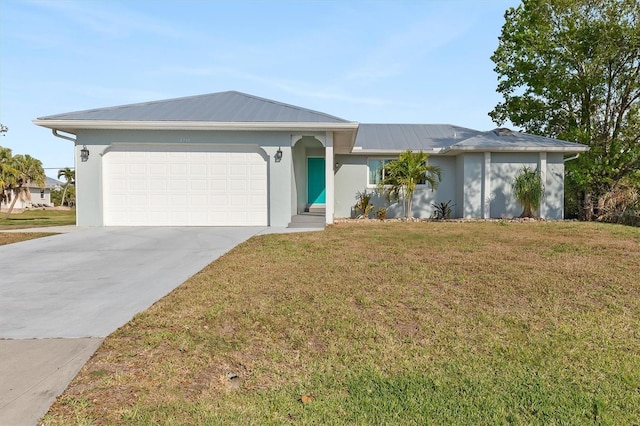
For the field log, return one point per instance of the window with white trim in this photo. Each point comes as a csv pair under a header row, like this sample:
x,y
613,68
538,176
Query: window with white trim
x,y
376,170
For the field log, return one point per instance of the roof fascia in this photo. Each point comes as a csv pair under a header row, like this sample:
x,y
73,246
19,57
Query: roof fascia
x,y
190,125
565,149
359,150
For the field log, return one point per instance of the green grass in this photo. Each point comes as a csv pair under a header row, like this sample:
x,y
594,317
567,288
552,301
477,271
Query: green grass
x,y
385,323
37,218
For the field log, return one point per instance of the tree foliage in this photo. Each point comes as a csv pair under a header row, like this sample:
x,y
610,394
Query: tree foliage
x,y
570,69
401,177
69,177
17,172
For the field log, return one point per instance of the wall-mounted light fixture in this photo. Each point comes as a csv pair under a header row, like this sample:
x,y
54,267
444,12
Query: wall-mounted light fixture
x,y
278,155
84,154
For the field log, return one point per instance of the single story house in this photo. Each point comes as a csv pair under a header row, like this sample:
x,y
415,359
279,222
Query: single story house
x,y
39,196
233,159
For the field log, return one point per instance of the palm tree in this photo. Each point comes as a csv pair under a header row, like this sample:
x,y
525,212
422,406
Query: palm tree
x,y
7,174
69,176
401,176
29,170
528,190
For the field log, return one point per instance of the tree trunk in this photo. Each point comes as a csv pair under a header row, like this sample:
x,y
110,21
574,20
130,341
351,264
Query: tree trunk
x,y
587,207
63,194
527,211
601,207
13,202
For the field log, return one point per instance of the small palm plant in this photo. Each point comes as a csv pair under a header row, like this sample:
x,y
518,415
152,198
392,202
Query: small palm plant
x,y
528,190
363,205
401,177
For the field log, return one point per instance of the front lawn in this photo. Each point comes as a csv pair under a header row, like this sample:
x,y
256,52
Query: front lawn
x,y
385,323
34,218
16,237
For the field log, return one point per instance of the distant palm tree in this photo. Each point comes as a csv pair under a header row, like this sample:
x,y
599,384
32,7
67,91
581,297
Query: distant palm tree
x,y
528,190
401,176
7,174
29,170
69,176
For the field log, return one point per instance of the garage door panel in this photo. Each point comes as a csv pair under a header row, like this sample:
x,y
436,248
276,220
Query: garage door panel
x,y
179,188
158,184
178,184
178,169
238,185
198,185
157,170
138,169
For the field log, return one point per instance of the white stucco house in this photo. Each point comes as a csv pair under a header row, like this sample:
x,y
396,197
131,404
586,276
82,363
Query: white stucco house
x,y
39,196
233,159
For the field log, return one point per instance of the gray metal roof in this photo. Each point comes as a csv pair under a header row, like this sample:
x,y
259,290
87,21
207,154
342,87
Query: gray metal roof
x,y
229,106
400,137
506,139
48,183
446,137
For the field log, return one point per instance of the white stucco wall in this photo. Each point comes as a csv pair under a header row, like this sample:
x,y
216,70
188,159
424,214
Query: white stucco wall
x,y
469,185
89,174
504,168
352,176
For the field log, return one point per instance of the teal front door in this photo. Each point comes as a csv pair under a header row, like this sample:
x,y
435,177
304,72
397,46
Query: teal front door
x,y
315,180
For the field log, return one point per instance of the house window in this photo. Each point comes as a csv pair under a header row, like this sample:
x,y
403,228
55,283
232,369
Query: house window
x,y
376,170
42,195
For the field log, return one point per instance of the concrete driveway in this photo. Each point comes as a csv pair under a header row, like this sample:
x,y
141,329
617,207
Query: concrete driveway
x,y
71,290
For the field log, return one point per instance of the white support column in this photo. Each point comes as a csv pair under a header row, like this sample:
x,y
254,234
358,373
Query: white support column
x,y
486,187
543,178
329,179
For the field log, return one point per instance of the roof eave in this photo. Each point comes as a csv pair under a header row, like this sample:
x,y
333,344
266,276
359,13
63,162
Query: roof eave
x,y
359,150
72,125
563,149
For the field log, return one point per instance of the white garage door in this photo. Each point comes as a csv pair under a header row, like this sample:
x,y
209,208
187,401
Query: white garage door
x,y
171,186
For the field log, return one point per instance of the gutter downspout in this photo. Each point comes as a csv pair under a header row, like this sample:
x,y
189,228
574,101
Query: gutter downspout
x,y
571,158
58,135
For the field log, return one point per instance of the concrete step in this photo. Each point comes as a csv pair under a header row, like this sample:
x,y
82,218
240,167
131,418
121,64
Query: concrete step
x,y
320,209
307,220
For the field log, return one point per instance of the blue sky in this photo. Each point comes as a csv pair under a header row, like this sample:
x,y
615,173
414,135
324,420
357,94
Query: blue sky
x,y
367,61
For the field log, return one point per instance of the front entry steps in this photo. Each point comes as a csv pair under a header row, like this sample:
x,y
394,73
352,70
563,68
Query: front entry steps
x,y
315,209
307,220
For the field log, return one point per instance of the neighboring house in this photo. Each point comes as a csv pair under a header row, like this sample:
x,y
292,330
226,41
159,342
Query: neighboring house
x,y
38,196
232,159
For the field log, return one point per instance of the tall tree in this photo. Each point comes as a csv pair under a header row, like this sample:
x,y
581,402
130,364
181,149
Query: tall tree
x,y
29,170
7,174
69,177
570,69
401,177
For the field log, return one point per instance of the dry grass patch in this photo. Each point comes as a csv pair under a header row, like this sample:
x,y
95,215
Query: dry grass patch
x,y
385,323
16,237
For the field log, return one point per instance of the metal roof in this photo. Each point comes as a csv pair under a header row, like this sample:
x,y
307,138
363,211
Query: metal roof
x,y
239,111
506,140
229,106
48,183
446,138
400,137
